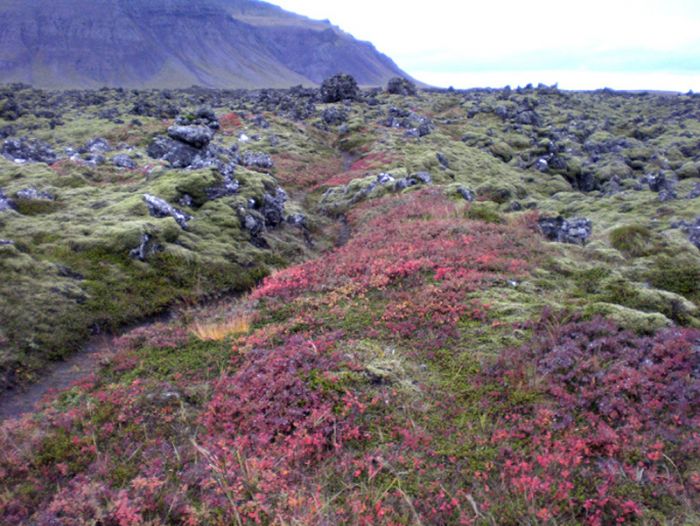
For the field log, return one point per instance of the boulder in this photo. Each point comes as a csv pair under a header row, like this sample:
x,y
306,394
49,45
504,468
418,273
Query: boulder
x,y
338,88
401,86
123,161
96,146
272,207
26,150
195,136
575,231
442,160
176,153
466,193
158,207
334,116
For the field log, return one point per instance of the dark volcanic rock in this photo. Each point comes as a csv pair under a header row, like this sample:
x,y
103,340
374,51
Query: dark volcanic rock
x,y
6,203
417,125
96,146
273,207
124,161
466,193
178,154
195,136
26,150
334,116
158,207
575,231
401,86
338,88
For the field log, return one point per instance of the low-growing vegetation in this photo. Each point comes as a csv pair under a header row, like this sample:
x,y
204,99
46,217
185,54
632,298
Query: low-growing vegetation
x,y
469,308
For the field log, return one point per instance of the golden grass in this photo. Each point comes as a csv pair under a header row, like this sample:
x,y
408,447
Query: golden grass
x,y
220,330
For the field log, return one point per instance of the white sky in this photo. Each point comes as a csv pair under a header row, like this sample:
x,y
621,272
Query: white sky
x,y
622,44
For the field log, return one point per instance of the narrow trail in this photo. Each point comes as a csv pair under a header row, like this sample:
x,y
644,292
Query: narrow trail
x,y
61,375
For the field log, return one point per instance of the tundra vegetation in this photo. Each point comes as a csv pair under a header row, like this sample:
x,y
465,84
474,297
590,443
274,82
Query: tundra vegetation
x,y
449,307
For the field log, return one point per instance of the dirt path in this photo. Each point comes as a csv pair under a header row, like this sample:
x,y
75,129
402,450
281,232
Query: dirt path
x,y
61,375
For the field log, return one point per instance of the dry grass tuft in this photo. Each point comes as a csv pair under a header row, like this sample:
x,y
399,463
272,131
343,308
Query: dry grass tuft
x,y
220,330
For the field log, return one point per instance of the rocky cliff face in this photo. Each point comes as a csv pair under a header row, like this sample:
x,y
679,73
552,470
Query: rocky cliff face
x,y
176,43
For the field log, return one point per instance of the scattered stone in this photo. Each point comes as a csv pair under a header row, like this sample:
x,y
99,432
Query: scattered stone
x,y
298,220
691,229
230,186
656,182
146,248
384,178
416,125
466,193
574,231
204,116
442,160
6,203
7,131
404,183
6,242
124,161
96,146
423,177
542,165
196,136
695,192
256,160
273,207
334,116
158,207
338,88
26,150
33,194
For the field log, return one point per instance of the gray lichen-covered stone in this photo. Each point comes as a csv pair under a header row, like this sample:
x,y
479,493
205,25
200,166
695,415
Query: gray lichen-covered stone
x,y
124,161
195,136
256,160
575,231
33,194
146,248
158,207
28,150
466,193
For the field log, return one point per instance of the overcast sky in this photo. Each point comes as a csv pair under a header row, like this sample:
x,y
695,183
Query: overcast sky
x,y
622,44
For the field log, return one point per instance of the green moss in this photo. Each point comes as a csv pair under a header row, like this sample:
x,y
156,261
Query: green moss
x,y
632,240
679,274
483,212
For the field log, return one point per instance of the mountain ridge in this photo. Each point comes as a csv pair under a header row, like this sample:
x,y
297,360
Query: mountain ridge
x,y
172,43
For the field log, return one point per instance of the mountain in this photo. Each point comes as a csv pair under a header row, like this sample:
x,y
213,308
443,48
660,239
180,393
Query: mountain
x,y
176,43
